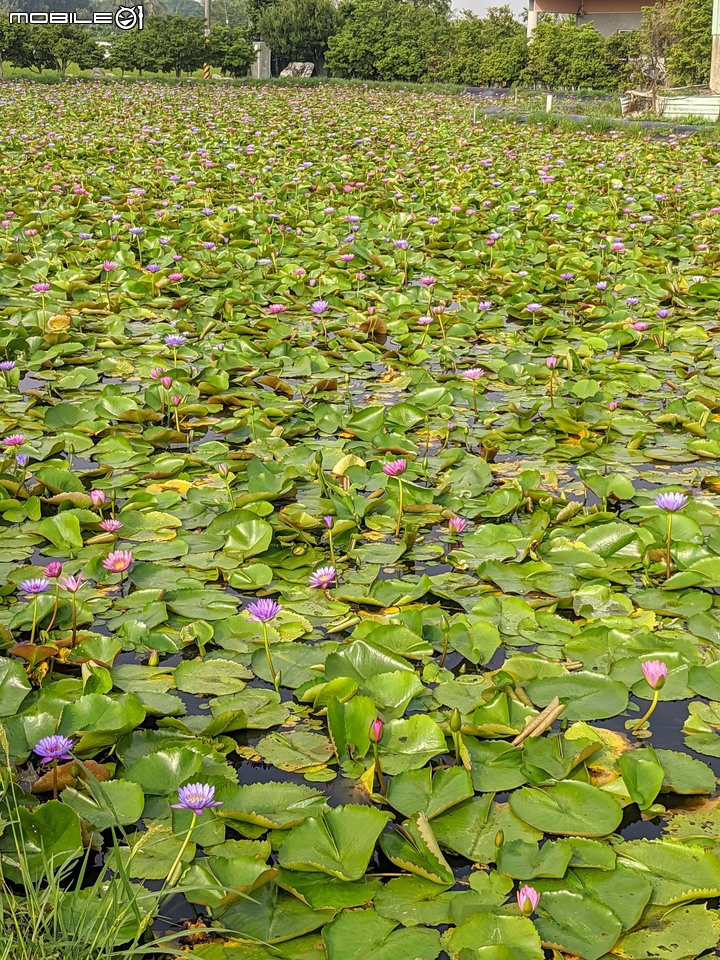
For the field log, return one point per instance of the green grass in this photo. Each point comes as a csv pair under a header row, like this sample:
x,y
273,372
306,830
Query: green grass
x,y
131,76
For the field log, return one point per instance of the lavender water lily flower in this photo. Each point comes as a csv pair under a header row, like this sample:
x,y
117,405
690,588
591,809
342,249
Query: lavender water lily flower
x,y
197,797
54,747
34,586
323,578
671,502
263,611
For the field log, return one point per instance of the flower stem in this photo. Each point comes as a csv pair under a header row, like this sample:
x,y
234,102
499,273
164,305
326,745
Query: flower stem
x,y
332,548
446,638
642,721
34,622
230,496
266,641
74,617
400,507
170,880
55,608
668,544
55,781
378,770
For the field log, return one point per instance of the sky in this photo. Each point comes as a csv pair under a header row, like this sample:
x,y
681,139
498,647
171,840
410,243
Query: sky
x,y
480,6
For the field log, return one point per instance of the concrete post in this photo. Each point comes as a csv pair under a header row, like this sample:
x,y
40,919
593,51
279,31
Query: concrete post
x,y
715,62
532,20
261,68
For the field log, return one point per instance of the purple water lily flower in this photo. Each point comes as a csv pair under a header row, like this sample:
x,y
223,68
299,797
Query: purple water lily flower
x,y
34,586
174,340
320,306
197,797
672,502
53,748
264,610
323,578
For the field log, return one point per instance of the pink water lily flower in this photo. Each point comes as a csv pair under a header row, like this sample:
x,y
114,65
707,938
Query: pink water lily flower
x,y
655,672
118,561
395,467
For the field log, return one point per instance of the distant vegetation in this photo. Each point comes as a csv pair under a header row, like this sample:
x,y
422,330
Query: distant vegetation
x,y
416,41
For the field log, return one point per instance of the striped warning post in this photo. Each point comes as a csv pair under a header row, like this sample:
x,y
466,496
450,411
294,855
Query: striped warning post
x,y
206,71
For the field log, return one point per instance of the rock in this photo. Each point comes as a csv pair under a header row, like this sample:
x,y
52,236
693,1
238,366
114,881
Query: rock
x,y
298,70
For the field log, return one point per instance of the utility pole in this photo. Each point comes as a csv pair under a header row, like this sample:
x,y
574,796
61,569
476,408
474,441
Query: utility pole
x,y
206,65
715,62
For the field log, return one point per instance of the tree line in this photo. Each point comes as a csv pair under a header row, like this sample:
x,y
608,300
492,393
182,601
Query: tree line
x,y
402,40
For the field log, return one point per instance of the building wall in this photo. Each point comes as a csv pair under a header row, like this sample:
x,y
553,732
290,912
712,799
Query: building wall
x,y
609,23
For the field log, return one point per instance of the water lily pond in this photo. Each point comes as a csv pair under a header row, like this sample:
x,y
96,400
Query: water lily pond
x,y
360,537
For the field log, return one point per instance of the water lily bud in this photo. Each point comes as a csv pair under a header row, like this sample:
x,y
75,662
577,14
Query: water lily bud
x,y
154,658
98,497
376,730
456,721
499,839
528,899
655,672
223,469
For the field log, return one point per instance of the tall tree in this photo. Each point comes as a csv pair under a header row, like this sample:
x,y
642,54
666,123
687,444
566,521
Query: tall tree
x,y
689,59
390,40
656,38
230,51
299,29
489,50
174,44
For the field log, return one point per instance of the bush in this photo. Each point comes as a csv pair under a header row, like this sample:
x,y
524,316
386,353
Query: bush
x,y
563,55
390,40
